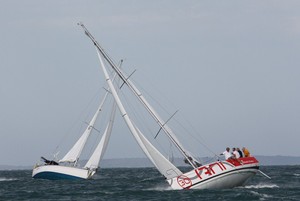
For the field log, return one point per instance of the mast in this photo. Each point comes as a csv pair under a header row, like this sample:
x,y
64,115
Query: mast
x,y
141,98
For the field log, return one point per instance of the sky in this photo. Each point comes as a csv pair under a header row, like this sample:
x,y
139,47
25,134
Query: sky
x,y
230,67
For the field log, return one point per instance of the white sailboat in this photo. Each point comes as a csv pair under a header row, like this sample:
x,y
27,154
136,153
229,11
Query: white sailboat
x,y
218,174
67,167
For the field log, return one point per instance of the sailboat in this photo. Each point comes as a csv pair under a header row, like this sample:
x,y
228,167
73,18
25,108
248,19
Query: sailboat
x,y
215,175
67,167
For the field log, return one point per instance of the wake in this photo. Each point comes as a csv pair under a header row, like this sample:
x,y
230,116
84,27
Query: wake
x,y
259,186
7,179
160,188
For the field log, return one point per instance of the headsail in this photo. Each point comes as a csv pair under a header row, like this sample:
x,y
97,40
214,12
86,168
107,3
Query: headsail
x,y
96,157
162,164
73,155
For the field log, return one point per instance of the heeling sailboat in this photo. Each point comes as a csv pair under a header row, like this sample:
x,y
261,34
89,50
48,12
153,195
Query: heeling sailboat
x,y
219,174
67,167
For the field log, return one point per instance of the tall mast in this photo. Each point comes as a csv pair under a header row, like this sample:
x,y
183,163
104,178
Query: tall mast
x,y
141,98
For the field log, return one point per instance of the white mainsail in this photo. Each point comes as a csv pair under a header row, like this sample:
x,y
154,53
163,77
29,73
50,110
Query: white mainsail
x,y
162,164
73,155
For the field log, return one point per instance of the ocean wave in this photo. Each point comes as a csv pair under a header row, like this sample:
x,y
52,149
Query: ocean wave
x,y
7,179
262,196
160,188
261,186
297,175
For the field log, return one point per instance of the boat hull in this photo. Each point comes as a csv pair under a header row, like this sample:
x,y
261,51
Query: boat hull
x,y
55,172
217,175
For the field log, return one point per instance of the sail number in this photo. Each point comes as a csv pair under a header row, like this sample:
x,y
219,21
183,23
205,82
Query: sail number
x,y
209,170
203,171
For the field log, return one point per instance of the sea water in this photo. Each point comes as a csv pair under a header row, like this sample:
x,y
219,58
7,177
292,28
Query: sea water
x,y
145,184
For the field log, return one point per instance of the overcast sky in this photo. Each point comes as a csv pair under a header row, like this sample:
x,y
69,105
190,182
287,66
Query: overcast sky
x,y
231,67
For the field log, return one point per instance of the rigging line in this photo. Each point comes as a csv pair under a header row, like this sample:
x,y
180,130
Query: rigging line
x,y
107,90
132,105
75,122
139,117
104,118
140,97
152,85
92,127
128,78
193,136
105,115
165,124
144,91
166,111
160,94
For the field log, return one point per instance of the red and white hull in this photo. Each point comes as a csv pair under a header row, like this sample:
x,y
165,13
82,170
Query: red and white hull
x,y
220,174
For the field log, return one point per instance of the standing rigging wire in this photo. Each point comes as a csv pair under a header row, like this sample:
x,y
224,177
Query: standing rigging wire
x,y
169,102
157,89
195,137
86,111
105,115
140,118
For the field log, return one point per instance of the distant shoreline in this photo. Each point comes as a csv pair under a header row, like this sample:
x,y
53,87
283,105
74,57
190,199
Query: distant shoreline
x,y
144,162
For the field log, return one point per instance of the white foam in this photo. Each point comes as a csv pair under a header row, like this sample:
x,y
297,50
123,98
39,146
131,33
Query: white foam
x,y
258,186
7,179
297,175
261,195
160,188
